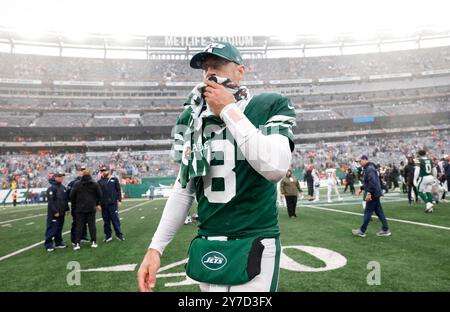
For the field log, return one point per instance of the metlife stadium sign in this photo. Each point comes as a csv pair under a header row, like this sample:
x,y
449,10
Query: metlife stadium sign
x,y
201,41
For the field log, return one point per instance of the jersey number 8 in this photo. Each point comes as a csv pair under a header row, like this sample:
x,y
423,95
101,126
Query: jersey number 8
x,y
223,171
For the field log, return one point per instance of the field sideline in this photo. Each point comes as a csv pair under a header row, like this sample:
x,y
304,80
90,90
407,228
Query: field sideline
x,y
320,253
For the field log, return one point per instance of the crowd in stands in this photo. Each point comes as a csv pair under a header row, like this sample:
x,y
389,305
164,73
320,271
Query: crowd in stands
x,y
48,68
31,170
385,150
322,112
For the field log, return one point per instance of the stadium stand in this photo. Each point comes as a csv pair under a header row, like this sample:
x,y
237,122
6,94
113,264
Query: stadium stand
x,y
101,105
67,68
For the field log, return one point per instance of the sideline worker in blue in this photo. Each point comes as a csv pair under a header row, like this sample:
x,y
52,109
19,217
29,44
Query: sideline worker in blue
x,y
111,201
372,186
58,205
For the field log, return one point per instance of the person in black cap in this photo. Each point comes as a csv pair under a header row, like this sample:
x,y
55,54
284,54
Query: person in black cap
x,y
86,196
58,205
111,200
372,187
232,148
84,238
408,172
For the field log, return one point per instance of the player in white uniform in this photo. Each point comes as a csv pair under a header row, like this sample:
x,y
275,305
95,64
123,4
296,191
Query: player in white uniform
x,y
316,178
331,181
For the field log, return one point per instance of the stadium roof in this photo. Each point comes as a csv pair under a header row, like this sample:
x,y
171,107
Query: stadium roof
x,y
139,28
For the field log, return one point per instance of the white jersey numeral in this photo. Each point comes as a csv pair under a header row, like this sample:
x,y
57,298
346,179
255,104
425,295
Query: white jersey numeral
x,y
224,171
428,168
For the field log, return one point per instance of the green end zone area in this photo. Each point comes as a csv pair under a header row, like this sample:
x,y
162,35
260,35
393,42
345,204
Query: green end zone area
x,y
415,258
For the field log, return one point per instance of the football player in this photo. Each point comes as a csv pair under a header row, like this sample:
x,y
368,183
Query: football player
x,y
233,147
316,179
424,177
331,181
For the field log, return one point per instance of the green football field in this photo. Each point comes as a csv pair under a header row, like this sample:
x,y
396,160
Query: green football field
x,y
319,254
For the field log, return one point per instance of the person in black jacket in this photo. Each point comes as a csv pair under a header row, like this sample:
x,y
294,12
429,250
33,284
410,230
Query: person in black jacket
x,y
57,206
372,187
86,196
308,178
111,200
409,178
350,179
84,237
393,177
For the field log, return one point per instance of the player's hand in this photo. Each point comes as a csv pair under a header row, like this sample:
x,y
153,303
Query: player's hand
x,y
147,271
368,197
217,96
98,207
56,215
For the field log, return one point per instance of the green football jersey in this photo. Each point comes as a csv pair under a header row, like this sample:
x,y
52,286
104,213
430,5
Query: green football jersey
x,y
425,165
359,173
233,199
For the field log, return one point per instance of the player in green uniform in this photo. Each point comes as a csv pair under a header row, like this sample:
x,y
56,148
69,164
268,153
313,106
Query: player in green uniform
x,y
233,148
424,178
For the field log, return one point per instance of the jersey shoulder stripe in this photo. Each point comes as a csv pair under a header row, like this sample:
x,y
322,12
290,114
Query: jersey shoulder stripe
x,y
273,112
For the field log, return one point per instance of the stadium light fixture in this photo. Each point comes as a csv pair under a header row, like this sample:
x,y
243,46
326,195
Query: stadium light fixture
x,y
75,36
287,38
30,33
122,37
328,37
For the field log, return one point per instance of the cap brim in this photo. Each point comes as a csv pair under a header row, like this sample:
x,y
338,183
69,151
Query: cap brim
x,y
198,59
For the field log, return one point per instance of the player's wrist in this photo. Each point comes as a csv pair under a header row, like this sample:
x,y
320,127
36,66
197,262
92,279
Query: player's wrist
x,y
239,125
227,108
154,250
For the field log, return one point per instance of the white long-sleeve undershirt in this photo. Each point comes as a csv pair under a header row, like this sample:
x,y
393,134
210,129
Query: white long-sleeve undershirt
x,y
269,155
174,214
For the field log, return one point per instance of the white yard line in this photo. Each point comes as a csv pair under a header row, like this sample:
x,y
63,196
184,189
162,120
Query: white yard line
x,y
344,203
67,232
12,210
389,219
33,207
24,218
